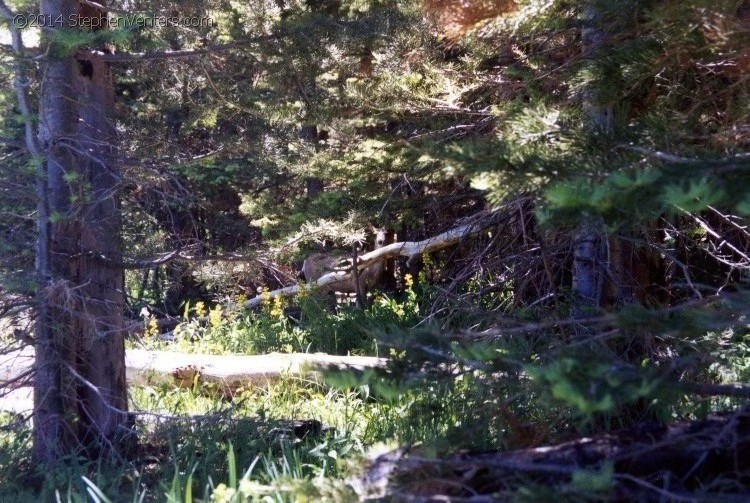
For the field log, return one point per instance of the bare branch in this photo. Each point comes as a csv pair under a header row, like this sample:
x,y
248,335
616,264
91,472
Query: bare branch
x,y
173,256
722,242
411,249
499,332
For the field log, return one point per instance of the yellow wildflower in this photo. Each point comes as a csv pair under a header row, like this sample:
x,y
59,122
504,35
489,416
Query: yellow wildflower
x,y
214,317
223,494
153,327
277,308
200,309
303,291
265,295
408,281
395,354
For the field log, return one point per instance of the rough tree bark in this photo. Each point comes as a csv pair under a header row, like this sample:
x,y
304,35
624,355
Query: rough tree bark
x,y
590,240
614,269
80,397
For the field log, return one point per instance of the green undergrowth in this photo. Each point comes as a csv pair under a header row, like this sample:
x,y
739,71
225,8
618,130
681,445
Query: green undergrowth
x,y
308,323
197,445
307,439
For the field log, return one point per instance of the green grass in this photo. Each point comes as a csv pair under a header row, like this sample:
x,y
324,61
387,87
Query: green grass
x,y
193,442
196,445
199,445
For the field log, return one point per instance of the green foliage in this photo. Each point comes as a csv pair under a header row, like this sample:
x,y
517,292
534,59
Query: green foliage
x,y
440,394
318,328
272,462
67,42
592,387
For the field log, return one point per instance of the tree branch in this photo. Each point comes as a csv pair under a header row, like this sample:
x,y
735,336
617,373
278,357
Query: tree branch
x,y
665,156
190,53
411,249
172,256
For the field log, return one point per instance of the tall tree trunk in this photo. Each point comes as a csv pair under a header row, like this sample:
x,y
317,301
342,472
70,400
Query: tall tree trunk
x,y
616,261
588,267
590,240
80,389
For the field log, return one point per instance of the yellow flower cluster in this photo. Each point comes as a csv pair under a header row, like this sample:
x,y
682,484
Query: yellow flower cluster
x,y
426,271
265,296
408,281
223,494
152,329
277,307
200,309
247,489
215,316
303,290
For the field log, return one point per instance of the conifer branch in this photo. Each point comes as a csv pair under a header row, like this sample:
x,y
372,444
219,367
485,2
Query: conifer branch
x,y
188,53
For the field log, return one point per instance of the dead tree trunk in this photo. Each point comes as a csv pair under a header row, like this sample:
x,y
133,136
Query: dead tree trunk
x,y
80,388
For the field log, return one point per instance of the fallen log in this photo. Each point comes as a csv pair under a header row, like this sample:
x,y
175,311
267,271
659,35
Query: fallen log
x,y
222,373
227,373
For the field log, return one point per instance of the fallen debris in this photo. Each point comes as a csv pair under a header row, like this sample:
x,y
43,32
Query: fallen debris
x,y
705,460
409,249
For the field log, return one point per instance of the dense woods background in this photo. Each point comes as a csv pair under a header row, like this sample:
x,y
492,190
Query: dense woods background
x,y
594,153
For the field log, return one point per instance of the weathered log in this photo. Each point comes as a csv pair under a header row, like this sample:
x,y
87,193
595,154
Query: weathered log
x,y
410,249
224,373
319,264
231,372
